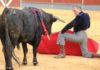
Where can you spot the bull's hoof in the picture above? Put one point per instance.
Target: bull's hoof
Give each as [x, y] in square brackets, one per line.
[35, 63]
[24, 63]
[9, 68]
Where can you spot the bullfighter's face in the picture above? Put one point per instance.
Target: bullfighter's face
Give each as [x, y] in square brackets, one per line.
[76, 10]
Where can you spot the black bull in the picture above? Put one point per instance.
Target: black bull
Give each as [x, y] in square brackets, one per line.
[22, 26]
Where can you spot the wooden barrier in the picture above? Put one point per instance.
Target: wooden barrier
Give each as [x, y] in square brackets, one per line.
[86, 2]
[16, 3]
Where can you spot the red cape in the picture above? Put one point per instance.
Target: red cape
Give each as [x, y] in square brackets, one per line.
[71, 48]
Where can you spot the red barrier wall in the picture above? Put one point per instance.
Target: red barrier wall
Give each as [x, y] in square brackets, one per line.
[14, 3]
[86, 2]
[92, 2]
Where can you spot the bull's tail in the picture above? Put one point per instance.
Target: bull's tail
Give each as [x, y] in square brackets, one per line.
[8, 45]
[16, 58]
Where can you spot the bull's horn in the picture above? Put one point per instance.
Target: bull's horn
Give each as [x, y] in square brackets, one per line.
[60, 19]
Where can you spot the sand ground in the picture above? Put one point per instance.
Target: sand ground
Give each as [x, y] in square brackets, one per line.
[48, 62]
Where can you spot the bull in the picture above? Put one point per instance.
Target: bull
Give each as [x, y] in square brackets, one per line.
[22, 26]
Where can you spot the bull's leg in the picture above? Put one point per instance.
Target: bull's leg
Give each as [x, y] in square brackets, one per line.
[8, 60]
[25, 50]
[35, 62]
[7, 55]
[35, 46]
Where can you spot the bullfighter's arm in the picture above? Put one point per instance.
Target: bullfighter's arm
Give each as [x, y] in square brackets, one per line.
[68, 26]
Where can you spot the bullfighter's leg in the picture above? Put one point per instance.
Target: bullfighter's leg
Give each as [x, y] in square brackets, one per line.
[62, 52]
[79, 37]
[25, 50]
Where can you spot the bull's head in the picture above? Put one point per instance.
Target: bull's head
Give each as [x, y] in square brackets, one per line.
[49, 19]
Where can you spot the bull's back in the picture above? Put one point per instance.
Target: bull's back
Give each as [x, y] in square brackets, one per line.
[30, 25]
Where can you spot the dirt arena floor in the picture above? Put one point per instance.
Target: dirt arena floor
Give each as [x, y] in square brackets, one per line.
[48, 62]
